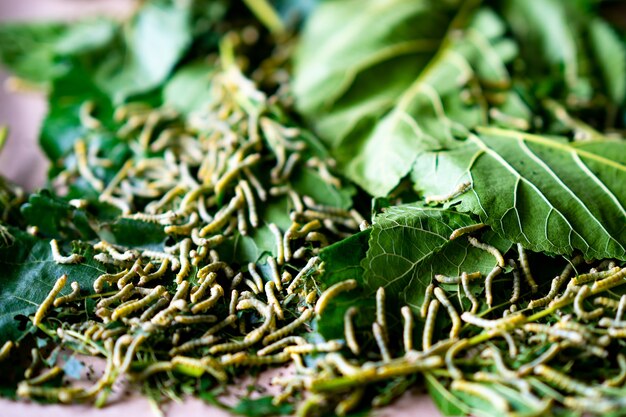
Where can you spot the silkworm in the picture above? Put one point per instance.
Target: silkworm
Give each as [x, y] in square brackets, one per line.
[45, 376]
[193, 344]
[454, 316]
[349, 330]
[456, 280]
[64, 395]
[5, 351]
[153, 369]
[523, 260]
[222, 217]
[231, 174]
[619, 379]
[221, 325]
[216, 293]
[594, 276]
[564, 382]
[234, 300]
[278, 237]
[258, 281]
[164, 317]
[243, 358]
[111, 333]
[516, 282]
[125, 310]
[153, 309]
[429, 324]
[183, 229]
[428, 294]
[407, 334]
[275, 273]
[579, 309]
[466, 230]
[316, 237]
[331, 292]
[282, 343]
[468, 292]
[571, 335]
[330, 346]
[144, 279]
[289, 328]
[454, 372]
[489, 283]
[507, 322]
[617, 333]
[498, 361]
[272, 300]
[482, 391]
[289, 234]
[114, 253]
[130, 275]
[336, 211]
[310, 265]
[381, 315]
[487, 248]
[48, 301]
[379, 336]
[350, 402]
[251, 284]
[63, 260]
[70, 297]
[154, 206]
[460, 189]
[595, 406]
[207, 282]
[606, 302]
[161, 257]
[165, 219]
[256, 184]
[122, 295]
[80, 149]
[609, 282]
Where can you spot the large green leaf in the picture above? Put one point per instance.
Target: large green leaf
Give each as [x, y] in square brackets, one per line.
[406, 88]
[28, 274]
[410, 244]
[610, 55]
[546, 193]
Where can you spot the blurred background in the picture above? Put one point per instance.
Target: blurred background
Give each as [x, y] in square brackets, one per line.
[22, 161]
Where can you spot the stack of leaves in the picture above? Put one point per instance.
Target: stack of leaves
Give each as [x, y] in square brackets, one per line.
[205, 234]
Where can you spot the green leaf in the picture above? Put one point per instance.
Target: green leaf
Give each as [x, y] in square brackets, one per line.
[309, 182]
[611, 58]
[261, 407]
[406, 88]
[447, 403]
[189, 88]
[410, 243]
[29, 273]
[545, 193]
[157, 38]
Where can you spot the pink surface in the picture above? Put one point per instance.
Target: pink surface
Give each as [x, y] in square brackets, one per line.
[22, 162]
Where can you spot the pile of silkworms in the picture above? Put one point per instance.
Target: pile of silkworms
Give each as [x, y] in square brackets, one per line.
[184, 312]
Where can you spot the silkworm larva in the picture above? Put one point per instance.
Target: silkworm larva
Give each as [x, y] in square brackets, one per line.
[222, 217]
[289, 328]
[234, 300]
[185, 264]
[275, 273]
[45, 376]
[454, 316]
[456, 280]
[407, 334]
[564, 382]
[609, 282]
[258, 281]
[619, 379]
[208, 242]
[487, 248]
[571, 335]
[516, 282]
[249, 197]
[507, 322]
[282, 343]
[579, 309]
[468, 292]
[381, 315]
[63, 260]
[428, 294]
[5, 351]
[183, 229]
[330, 346]
[460, 189]
[429, 324]
[256, 334]
[498, 361]
[310, 265]
[122, 295]
[47, 302]
[194, 344]
[230, 347]
[221, 325]
[204, 286]
[606, 302]
[594, 276]
[482, 391]
[153, 369]
[153, 309]
[70, 297]
[112, 333]
[332, 292]
[344, 367]
[523, 260]
[489, 283]
[349, 330]
[188, 366]
[165, 264]
[164, 317]
[617, 333]
[620, 308]
[587, 406]
[125, 310]
[216, 293]
[244, 358]
[465, 230]
[350, 402]
[286, 277]
[379, 336]
[258, 305]
[454, 372]
[272, 300]
[256, 184]
[230, 175]
[115, 253]
[64, 395]
[80, 149]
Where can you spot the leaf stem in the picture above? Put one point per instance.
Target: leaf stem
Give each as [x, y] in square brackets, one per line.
[266, 14]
